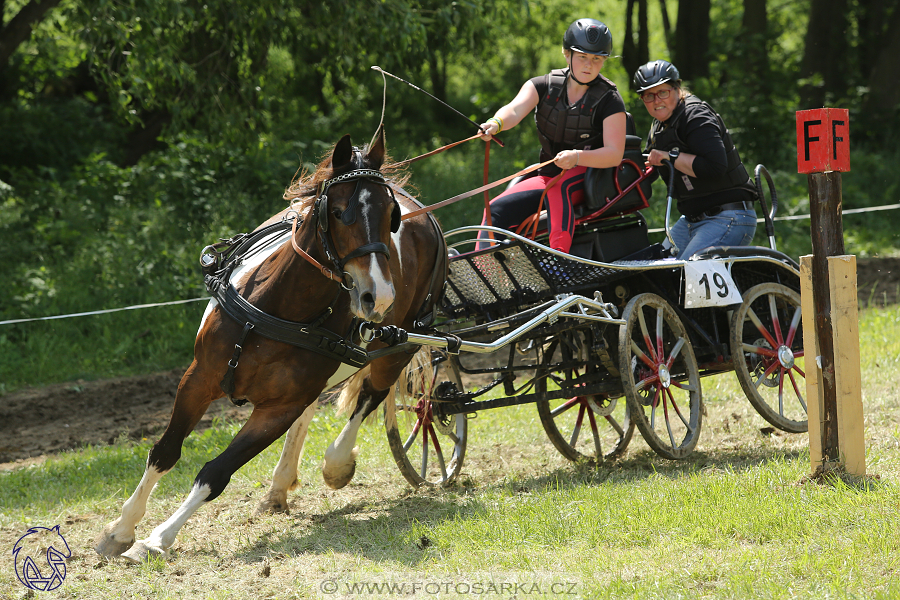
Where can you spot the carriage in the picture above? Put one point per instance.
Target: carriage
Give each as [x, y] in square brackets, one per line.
[608, 338]
[613, 336]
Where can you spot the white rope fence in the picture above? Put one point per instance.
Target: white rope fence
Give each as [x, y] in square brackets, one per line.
[104, 312]
[851, 211]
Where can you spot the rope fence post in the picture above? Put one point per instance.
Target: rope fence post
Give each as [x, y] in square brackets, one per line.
[829, 304]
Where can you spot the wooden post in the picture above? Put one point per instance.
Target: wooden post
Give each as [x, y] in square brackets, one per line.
[827, 232]
[831, 345]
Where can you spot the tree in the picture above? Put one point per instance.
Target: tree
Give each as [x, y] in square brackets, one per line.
[825, 42]
[635, 53]
[692, 38]
[882, 43]
[752, 42]
[667, 26]
[18, 30]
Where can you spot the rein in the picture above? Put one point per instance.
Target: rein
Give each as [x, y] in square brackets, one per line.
[471, 193]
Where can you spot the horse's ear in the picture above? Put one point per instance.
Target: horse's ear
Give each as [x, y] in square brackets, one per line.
[376, 152]
[343, 153]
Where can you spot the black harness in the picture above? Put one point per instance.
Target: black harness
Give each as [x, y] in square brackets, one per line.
[218, 261]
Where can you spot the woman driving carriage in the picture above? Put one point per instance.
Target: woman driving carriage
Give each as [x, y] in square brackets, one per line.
[714, 192]
[580, 119]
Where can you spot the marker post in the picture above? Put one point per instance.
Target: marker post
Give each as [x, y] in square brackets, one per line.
[829, 304]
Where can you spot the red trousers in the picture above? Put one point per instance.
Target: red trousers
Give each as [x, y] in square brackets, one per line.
[512, 207]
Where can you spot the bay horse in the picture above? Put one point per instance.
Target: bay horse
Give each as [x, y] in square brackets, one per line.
[391, 273]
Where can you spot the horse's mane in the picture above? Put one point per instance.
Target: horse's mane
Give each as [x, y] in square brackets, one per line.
[303, 188]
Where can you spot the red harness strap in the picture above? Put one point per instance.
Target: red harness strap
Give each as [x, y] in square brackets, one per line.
[325, 270]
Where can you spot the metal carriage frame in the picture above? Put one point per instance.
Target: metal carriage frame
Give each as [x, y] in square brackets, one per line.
[599, 348]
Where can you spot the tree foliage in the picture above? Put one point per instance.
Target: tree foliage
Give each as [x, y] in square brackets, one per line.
[134, 132]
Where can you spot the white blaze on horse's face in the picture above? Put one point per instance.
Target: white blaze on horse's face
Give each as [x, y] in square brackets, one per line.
[372, 296]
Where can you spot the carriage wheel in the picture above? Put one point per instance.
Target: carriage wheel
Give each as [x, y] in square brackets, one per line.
[660, 376]
[580, 427]
[429, 450]
[767, 346]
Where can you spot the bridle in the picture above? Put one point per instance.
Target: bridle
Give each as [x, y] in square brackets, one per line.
[347, 217]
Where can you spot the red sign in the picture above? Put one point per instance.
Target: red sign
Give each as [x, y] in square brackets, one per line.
[823, 140]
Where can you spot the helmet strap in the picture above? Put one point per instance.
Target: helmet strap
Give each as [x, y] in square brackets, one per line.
[572, 71]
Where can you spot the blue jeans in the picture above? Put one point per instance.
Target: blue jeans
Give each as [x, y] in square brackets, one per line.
[728, 228]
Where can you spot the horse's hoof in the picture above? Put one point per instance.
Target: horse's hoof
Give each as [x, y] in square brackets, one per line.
[273, 503]
[107, 545]
[336, 479]
[141, 552]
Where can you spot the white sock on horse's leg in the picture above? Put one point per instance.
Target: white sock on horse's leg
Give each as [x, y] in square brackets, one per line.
[284, 478]
[339, 465]
[118, 536]
[161, 539]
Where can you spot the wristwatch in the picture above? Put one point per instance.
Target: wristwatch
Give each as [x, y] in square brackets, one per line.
[674, 153]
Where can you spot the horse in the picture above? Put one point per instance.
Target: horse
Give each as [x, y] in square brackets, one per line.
[391, 273]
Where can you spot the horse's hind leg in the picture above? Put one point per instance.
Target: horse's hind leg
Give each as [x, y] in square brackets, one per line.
[267, 423]
[193, 398]
[284, 477]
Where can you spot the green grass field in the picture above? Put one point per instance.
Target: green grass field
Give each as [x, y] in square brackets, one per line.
[735, 520]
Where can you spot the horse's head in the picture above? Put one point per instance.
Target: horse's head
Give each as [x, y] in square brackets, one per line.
[357, 212]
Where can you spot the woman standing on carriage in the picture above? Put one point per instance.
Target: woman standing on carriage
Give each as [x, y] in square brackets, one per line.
[714, 192]
[580, 119]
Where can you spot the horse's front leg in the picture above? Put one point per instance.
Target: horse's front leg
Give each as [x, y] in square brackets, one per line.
[284, 478]
[191, 402]
[267, 423]
[339, 465]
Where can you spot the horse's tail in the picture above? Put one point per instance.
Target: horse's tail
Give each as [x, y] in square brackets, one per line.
[414, 381]
[346, 402]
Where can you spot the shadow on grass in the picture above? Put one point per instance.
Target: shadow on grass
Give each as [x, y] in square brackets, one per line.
[388, 530]
[381, 531]
[646, 464]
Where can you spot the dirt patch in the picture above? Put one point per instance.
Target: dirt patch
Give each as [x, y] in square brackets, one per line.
[878, 281]
[38, 421]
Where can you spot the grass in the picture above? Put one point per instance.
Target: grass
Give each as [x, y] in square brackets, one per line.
[736, 520]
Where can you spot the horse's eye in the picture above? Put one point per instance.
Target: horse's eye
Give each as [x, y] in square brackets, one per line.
[337, 212]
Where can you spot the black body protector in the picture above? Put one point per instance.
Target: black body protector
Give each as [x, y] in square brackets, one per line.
[664, 136]
[562, 127]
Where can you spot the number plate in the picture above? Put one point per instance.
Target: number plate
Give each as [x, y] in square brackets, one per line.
[708, 283]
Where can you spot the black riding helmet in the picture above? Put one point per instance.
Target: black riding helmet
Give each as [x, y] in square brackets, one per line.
[655, 73]
[589, 36]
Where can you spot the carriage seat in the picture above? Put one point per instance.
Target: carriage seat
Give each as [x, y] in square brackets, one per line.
[741, 251]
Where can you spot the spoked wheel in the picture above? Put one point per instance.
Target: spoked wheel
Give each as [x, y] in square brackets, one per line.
[592, 428]
[767, 346]
[660, 376]
[429, 450]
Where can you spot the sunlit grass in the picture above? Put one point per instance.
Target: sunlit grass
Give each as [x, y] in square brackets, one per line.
[735, 520]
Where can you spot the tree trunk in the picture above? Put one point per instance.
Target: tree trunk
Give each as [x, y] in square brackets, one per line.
[643, 33]
[438, 71]
[882, 99]
[19, 28]
[635, 52]
[754, 41]
[692, 39]
[146, 138]
[629, 49]
[825, 43]
[667, 27]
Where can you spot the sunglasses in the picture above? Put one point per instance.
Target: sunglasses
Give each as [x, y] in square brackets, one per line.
[649, 97]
